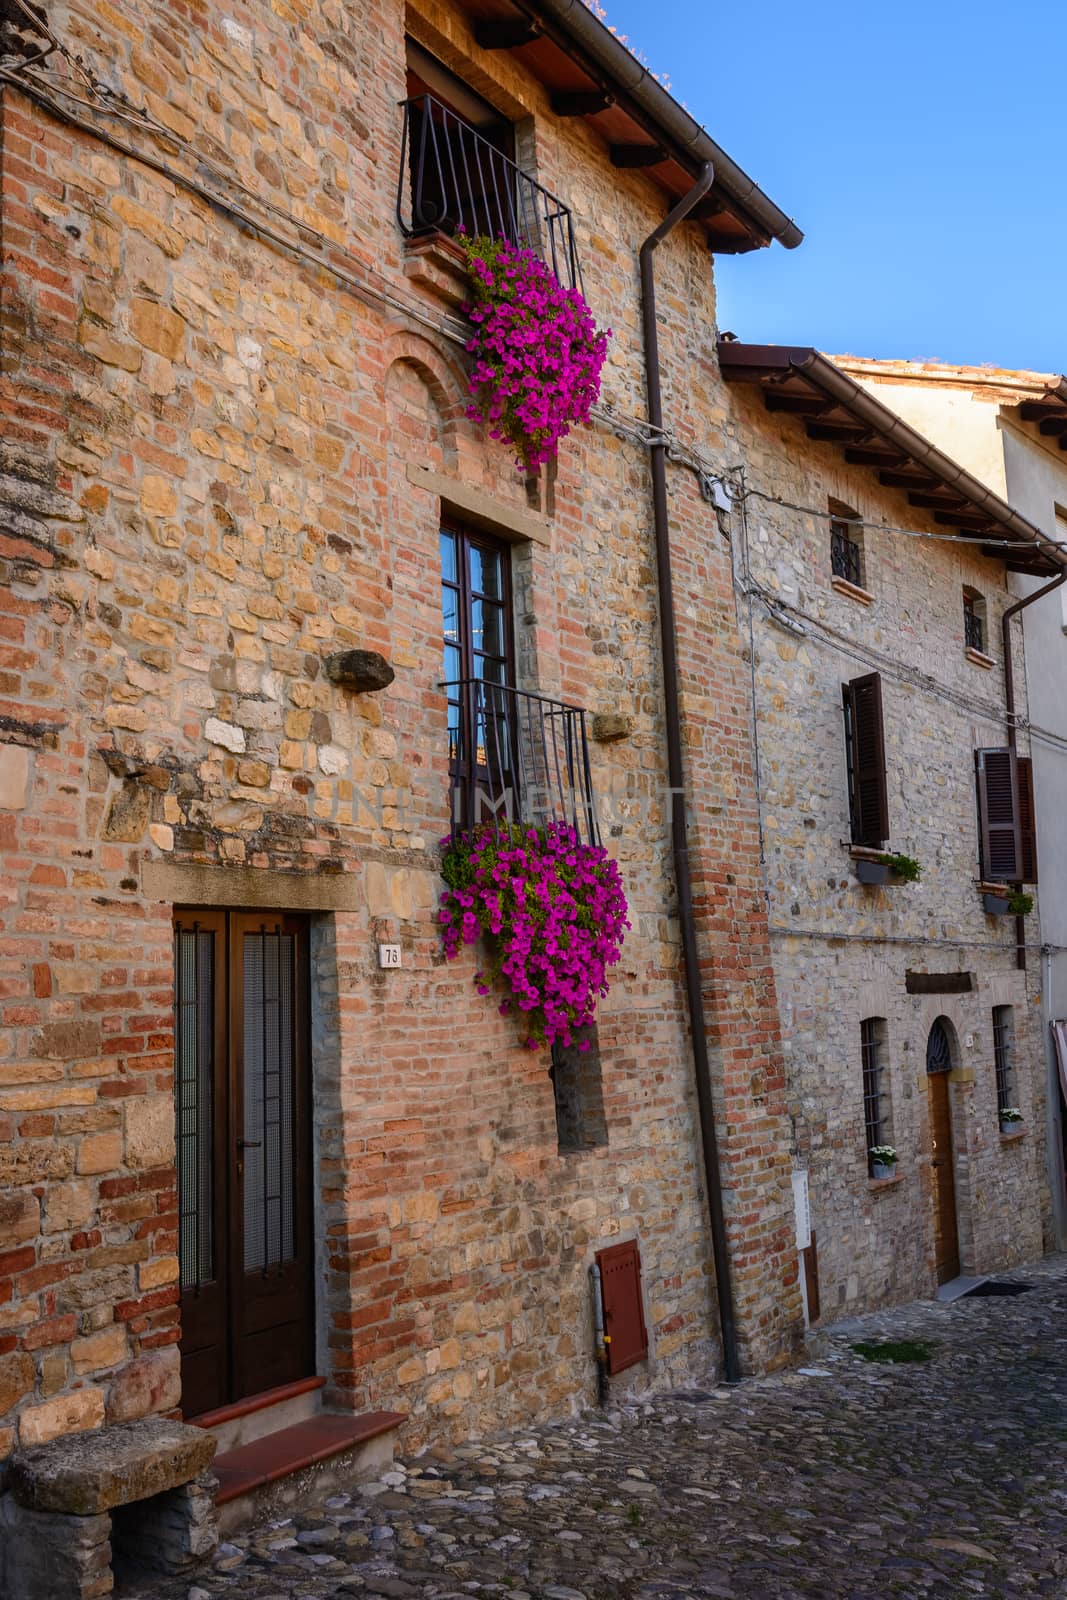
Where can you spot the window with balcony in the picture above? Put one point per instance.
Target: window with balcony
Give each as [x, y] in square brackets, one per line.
[846, 545]
[458, 172]
[513, 754]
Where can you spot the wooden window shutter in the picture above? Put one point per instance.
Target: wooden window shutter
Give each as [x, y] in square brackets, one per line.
[998, 815]
[1027, 819]
[869, 795]
[624, 1316]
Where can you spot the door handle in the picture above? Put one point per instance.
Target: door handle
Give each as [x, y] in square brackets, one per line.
[248, 1144]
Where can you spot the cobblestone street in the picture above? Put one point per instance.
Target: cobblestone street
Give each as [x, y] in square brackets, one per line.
[852, 1478]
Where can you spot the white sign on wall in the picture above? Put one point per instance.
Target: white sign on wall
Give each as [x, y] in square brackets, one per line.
[388, 955]
[803, 1209]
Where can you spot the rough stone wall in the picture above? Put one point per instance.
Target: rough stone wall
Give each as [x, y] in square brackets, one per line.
[841, 950]
[209, 439]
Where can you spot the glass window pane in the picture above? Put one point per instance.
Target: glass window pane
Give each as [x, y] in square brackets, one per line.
[450, 613]
[268, 1101]
[195, 1089]
[452, 666]
[487, 627]
[486, 569]
[448, 556]
[490, 669]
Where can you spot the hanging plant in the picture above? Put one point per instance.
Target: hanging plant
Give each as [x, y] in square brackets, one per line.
[536, 347]
[552, 912]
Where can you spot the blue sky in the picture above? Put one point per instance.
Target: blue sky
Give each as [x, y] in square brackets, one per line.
[919, 146]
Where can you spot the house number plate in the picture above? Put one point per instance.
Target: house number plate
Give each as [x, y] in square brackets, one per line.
[388, 955]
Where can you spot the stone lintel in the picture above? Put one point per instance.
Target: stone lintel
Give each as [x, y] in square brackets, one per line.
[251, 888]
[84, 1474]
[482, 509]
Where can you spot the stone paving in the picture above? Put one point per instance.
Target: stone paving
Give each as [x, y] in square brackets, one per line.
[846, 1480]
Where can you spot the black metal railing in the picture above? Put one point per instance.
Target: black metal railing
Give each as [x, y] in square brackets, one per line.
[451, 178]
[518, 757]
[973, 628]
[846, 556]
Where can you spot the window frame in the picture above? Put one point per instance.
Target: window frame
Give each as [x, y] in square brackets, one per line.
[461, 722]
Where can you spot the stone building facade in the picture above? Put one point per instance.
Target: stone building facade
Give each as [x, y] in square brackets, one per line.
[233, 430]
[907, 1018]
[1008, 428]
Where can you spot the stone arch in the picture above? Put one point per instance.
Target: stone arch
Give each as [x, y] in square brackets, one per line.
[943, 1028]
[424, 399]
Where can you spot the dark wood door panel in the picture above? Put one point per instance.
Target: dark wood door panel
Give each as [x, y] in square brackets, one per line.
[946, 1235]
[243, 1106]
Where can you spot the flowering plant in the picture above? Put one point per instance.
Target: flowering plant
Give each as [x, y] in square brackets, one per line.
[553, 912]
[537, 350]
[1011, 1114]
[884, 1155]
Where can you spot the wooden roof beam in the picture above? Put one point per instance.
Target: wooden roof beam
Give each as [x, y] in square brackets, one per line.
[801, 405]
[1037, 410]
[1053, 425]
[633, 156]
[581, 102]
[840, 432]
[506, 33]
[973, 523]
[945, 501]
[870, 456]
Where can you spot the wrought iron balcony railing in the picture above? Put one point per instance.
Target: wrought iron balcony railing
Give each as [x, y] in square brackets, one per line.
[452, 178]
[518, 757]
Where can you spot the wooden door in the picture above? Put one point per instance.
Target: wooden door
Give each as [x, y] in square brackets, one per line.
[946, 1235]
[243, 1125]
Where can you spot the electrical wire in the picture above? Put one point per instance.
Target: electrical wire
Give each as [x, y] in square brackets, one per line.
[901, 938]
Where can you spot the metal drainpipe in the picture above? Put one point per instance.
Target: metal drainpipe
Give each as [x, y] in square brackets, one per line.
[1009, 708]
[675, 774]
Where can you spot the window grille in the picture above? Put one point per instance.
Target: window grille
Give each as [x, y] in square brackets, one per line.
[875, 1091]
[973, 621]
[846, 554]
[1004, 1055]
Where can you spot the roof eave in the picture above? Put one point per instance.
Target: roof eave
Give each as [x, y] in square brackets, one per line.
[742, 363]
[574, 19]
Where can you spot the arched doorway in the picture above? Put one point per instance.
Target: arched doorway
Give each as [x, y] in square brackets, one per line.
[946, 1232]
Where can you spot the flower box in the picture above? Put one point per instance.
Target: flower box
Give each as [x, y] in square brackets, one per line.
[872, 872]
[995, 905]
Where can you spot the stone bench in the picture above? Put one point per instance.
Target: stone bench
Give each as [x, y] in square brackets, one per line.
[134, 1497]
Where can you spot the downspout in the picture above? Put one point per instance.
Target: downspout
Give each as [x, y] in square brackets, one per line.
[676, 776]
[1009, 711]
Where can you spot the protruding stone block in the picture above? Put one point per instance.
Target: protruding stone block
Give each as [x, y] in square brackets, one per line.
[365, 671]
[611, 725]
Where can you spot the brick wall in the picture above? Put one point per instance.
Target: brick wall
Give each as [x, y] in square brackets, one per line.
[208, 437]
